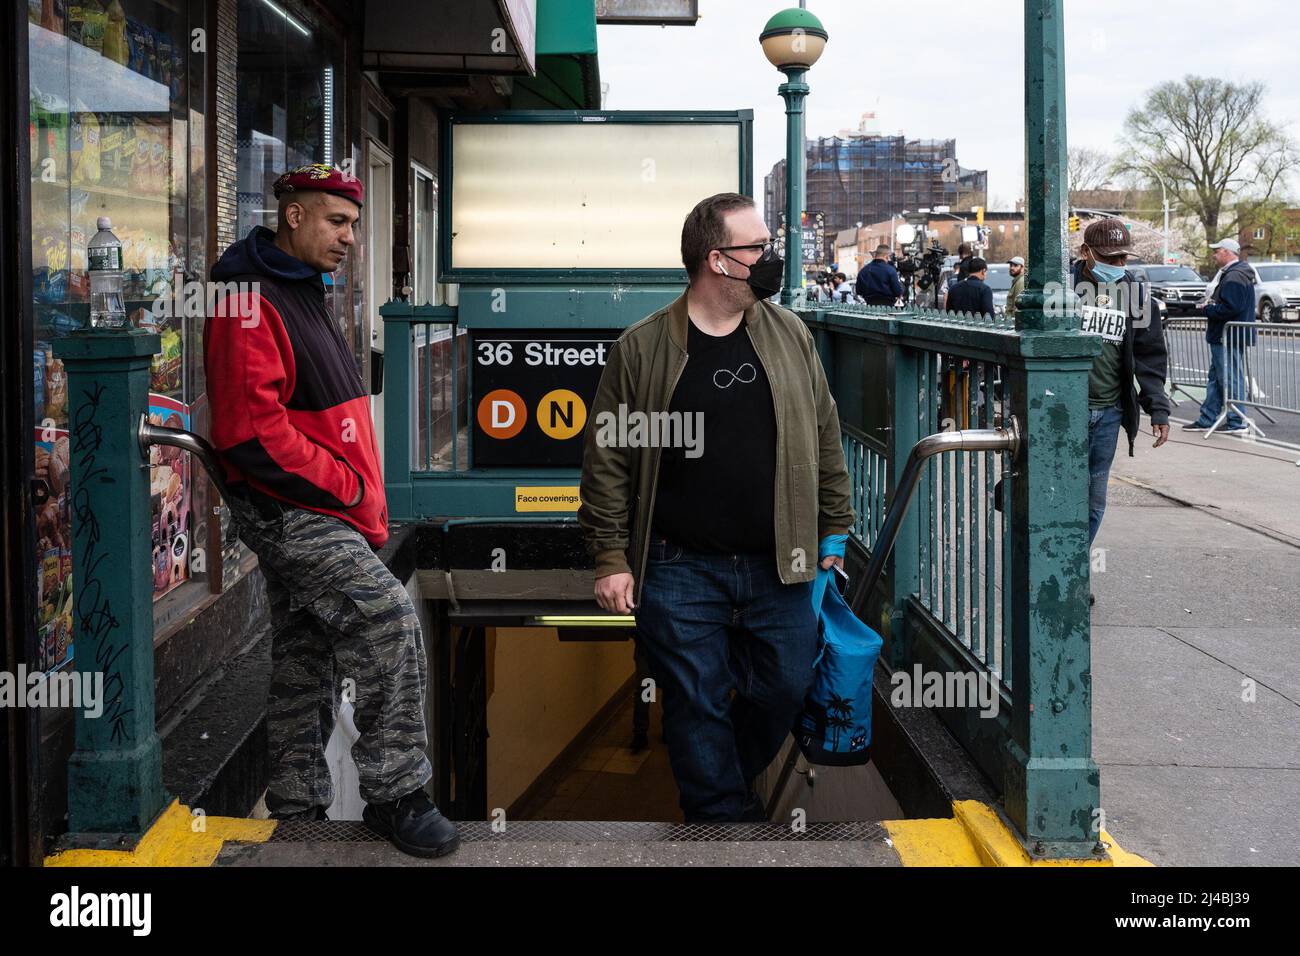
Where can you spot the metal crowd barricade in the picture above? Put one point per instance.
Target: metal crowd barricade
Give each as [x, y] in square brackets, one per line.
[1261, 365]
[1269, 354]
[1189, 355]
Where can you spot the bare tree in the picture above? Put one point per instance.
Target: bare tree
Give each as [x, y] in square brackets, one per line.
[1088, 169]
[1220, 157]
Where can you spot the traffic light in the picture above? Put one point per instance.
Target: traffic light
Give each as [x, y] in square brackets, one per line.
[1074, 223]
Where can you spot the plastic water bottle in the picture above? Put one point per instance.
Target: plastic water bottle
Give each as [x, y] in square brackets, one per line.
[104, 255]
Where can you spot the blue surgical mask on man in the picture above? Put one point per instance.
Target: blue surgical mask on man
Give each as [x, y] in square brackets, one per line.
[1104, 272]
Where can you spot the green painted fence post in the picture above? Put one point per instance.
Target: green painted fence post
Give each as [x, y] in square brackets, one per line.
[904, 399]
[1052, 785]
[115, 771]
[399, 401]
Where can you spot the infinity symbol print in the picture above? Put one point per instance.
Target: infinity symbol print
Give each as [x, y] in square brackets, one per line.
[737, 376]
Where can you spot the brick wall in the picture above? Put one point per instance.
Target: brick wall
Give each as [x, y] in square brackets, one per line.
[227, 47]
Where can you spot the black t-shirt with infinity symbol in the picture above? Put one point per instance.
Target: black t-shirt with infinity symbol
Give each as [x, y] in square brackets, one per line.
[717, 494]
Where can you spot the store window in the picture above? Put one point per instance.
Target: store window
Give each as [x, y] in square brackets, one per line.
[116, 130]
[290, 113]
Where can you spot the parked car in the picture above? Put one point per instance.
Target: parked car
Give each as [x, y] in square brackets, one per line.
[1180, 288]
[999, 280]
[1277, 291]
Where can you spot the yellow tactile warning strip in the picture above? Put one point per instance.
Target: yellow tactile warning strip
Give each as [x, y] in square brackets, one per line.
[976, 836]
[177, 838]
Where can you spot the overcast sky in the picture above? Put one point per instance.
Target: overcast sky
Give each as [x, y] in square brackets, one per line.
[943, 69]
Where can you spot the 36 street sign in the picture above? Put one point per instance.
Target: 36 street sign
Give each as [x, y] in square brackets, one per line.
[532, 394]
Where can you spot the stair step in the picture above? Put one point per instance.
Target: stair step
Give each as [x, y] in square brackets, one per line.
[580, 843]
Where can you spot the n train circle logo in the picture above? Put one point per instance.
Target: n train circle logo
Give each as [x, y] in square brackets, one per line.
[502, 414]
[561, 414]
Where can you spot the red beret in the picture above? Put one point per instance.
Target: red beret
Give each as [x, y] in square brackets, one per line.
[321, 178]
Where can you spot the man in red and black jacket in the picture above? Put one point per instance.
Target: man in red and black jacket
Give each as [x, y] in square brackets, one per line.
[291, 423]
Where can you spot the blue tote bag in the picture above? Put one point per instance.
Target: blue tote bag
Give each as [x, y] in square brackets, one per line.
[834, 728]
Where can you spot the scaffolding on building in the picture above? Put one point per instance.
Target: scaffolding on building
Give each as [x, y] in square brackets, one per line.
[857, 178]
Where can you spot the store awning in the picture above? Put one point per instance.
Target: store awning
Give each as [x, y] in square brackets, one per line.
[568, 74]
[453, 36]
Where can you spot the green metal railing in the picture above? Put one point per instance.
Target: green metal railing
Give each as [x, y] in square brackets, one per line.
[989, 574]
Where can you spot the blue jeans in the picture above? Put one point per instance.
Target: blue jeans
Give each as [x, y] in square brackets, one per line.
[732, 649]
[1223, 359]
[1103, 430]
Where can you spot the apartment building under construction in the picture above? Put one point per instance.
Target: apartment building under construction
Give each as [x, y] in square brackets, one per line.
[862, 177]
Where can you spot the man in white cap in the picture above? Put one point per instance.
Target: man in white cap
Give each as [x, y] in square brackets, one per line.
[1016, 266]
[1233, 300]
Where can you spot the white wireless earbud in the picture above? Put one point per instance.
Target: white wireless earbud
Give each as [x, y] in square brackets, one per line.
[724, 270]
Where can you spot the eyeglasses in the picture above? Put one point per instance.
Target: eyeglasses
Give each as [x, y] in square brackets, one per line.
[763, 248]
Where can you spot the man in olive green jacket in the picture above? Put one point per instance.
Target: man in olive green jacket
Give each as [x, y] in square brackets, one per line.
[713, 484]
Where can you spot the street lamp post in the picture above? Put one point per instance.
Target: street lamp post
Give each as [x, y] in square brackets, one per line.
[1164, 199]
[793, 41]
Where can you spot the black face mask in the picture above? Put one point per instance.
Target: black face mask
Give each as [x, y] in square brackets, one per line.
[765, 274]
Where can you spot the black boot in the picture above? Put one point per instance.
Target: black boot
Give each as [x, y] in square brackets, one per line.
[413, 824]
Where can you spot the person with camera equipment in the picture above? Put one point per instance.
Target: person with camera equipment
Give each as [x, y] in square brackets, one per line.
[879, 283]
[964, 255]
[843, 289]
[971, 294]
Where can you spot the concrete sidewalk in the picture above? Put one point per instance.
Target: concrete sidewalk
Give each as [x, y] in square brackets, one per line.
[1196, 652]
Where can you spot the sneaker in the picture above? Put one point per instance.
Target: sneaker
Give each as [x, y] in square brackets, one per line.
[413, 824]
[1196, 427]
[1234, 429]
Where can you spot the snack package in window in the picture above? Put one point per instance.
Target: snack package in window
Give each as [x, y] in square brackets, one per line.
[51, 118]
[85, 146]
[78, 267]
[125, 153]
[137, 45]
[140, 166]
[51, 280]
[56, 389]
[115, 46]
[163, 49]
[165, 373]
[151, 51]
[159, 153]
[111, 135]
[86, 25]
[38, 365]
[76, 143]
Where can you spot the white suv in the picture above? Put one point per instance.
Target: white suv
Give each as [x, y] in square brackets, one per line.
[1277, 291]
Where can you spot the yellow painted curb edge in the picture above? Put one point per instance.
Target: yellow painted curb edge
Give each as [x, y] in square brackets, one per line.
[177, 838]
[977, 836]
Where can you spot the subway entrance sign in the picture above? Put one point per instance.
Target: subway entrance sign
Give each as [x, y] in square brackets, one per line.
[532, 392]
[558, 229]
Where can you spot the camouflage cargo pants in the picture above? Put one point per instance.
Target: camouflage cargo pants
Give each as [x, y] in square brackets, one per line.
[341, 624]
